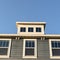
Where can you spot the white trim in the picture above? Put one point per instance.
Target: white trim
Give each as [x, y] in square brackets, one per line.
[50, 48]
[35, 35]
[35, 51]
[8, 53]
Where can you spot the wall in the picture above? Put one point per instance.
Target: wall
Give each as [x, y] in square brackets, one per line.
[17, 50]
[34, 26]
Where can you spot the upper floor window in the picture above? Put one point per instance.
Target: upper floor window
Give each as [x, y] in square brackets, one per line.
[30, 48]
[38, 29]
[22, 29]
[54, 48]
[30, 29]
[5, 48]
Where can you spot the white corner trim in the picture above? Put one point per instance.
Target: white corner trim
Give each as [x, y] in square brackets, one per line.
[35, 52]
[8, 53]
[50, 49]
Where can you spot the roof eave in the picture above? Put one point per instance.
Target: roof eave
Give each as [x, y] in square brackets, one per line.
[35, 36]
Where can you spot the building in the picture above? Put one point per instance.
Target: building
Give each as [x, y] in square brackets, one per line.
[30, 43]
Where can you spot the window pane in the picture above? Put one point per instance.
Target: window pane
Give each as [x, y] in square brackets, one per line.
[7, 43]
[58, 43]
[52, 43]
[38, 29]
[29, 43]
[33, 45]
[30, 29]
[55, 43]
[29, 51]
[4, 43]
[3, 51]
[56, 52]
[0, 43]
[22, 29]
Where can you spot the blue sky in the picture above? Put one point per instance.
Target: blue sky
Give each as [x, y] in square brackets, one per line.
[29, 10]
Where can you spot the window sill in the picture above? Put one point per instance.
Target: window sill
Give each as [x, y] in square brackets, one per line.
[29, 57]
[5, 56]
[55, 57]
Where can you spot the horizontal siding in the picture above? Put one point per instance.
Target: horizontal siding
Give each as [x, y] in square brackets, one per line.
[43, 49]
[17, 47]
[17, 50]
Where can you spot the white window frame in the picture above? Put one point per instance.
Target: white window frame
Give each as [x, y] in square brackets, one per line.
[50, 48]
[35, 48]
[8, 53]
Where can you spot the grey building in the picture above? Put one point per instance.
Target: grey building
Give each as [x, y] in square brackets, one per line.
[30, 43]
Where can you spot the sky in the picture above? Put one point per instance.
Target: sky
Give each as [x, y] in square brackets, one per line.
[12, 11]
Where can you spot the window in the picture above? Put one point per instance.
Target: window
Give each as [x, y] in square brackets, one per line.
[54, 48]
[30, 29]
[22, 29]
[30, 48]
[38, 29]
[5, 48]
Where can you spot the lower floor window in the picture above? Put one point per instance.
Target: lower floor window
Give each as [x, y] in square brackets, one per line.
[5, 48]
[30, 48]
[54, 48]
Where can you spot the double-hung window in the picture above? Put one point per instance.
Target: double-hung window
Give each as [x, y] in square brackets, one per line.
[5, 48]
[30, 48]
[54, 48]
